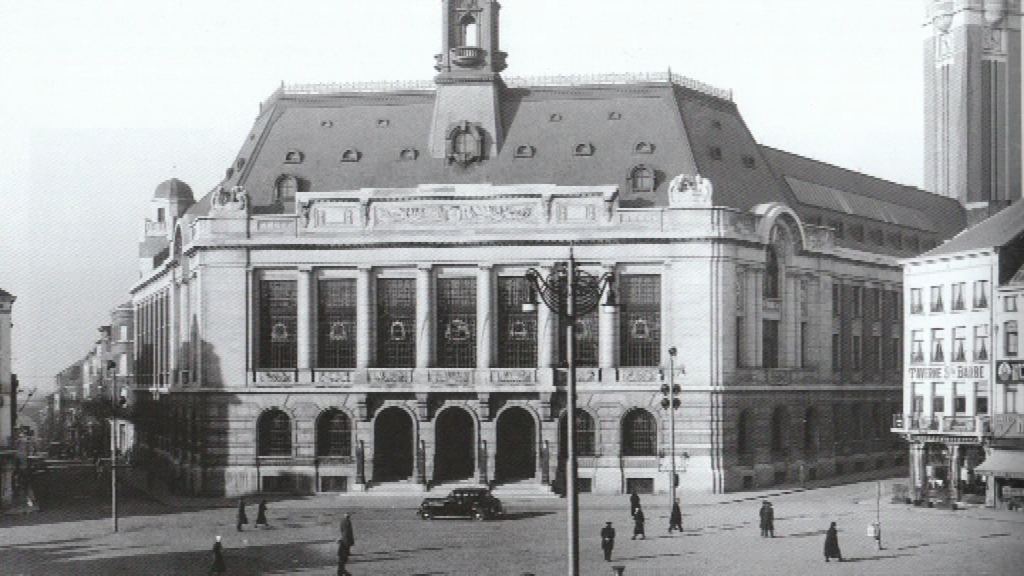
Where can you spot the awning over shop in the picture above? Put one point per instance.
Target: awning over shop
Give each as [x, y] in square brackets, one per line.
[1003, 464]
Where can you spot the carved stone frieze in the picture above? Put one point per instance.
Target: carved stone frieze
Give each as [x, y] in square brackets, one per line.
[334, 376]
[640, 374]
[275, 376]
[512, 375]
[388, 214]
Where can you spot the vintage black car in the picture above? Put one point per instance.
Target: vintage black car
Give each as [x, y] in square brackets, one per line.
[476, 503]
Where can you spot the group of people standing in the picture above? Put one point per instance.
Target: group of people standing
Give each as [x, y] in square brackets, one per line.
[346, 538]
[675, 522]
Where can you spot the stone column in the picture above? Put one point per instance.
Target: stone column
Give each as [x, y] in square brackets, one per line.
[484, 316]
[173, 323]
[547, 322]
[950, 408]
[424, 317]
[972, 398]
[184, 342]
[607, 327]
[304, 323]
[364, 348]
[756, 316]
[954, 472]
[917, 469]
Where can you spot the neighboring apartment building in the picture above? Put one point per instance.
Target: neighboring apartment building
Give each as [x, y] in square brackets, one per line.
[1006, 458]
[8, 403]
[345, 309]
[960, 337]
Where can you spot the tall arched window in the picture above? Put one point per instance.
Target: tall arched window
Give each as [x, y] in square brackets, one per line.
[639, 434]
[275, 434]
[642, 178]
[743, 433]
[810, 431]
[780, 425]
[771, 273]
[333, 434]
[586, 433]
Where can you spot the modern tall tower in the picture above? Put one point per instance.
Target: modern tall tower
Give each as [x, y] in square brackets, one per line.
[467, 120]
[973, 102]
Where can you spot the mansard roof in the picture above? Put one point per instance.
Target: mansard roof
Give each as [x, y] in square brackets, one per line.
[670, 125]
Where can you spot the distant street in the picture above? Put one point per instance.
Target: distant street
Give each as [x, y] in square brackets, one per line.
[73, 537]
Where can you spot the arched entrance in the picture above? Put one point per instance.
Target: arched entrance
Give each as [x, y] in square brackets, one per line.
[516, 454]
[392, 445]
[454, 457]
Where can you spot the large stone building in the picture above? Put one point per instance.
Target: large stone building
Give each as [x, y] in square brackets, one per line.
[962, 410]
[345, 309]
[8, 403]
[972, 70]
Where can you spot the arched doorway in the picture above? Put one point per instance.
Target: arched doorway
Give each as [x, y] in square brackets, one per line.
[454, 457]
[516, 455]
[392, 445]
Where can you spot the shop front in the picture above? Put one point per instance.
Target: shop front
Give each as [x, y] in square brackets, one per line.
[1004, 470]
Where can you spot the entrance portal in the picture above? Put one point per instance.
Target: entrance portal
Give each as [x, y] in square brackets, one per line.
[454, 456]
[516, 454]
[392, 445]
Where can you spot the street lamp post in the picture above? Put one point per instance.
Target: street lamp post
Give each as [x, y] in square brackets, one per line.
[113, 443]
[569, 293]
[670, 403]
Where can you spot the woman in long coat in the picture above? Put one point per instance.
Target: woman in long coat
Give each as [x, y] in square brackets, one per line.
[261, 514]
[832, 544]
[638, 524]
[675, 518]
[767, 520]
[242, 518]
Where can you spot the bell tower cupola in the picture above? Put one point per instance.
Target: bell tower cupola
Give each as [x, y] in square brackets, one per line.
[470, 40]
[466, 126]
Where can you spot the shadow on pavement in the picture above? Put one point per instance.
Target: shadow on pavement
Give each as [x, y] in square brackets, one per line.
[525, 515]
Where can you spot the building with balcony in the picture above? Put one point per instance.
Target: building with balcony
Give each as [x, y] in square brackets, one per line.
[8, 403]
[344, 310]
[961, 376]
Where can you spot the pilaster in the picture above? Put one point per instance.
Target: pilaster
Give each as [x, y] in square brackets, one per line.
[364, 319]
[304, 322]
[424, 325]
[484, 317]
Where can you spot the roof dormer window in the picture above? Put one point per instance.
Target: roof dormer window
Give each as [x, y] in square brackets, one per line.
[465, 143]
[286, 188]
[350, 155]
[525, 151]
[643, 148]
[584, 149]
[642, 179]
[293, 157]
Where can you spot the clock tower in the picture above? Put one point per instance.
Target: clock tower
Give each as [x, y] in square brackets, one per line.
[466, 125]
[973, 102]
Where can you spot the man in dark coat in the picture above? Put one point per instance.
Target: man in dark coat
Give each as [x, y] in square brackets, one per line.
[346, 540]
[634, 502]
[767, 520]
[261, 514]
[242, 518]
[607, 541]
[638, 524]
[675, 518]
[832, 544]
[218, 558]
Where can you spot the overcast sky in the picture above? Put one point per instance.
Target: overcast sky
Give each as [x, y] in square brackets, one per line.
[101, 100]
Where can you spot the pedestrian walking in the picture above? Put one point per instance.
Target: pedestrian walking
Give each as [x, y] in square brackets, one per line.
[607, 541]
[346, 540]
[261, 514]
[675, 518]
[638, 524]
[832, 544]
[634, 502]
[242, 518]
[219, 567]
[767, 520]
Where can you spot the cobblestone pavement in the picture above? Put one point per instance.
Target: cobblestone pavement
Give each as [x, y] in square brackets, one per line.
[721, 537]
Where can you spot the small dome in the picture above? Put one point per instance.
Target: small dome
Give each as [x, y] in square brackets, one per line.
[173, 190]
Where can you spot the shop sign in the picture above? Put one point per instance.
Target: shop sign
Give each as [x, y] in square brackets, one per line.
[958, 372]
[1010, 371]
[958, 424]
[1007, 425]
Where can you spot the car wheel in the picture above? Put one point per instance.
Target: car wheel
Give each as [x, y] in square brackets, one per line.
[479, 515]
[427, 516]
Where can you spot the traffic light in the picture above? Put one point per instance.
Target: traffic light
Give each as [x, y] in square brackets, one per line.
[670, 396]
